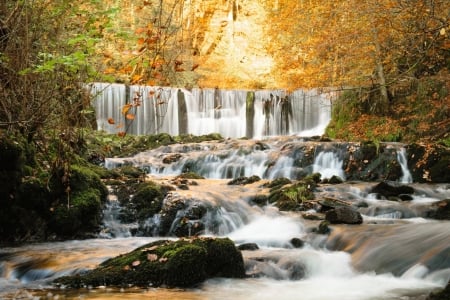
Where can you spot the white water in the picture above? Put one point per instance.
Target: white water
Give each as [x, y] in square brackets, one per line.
[328, 274]
[328, 164]
[401, 157]
[417, 252]
[210, 111]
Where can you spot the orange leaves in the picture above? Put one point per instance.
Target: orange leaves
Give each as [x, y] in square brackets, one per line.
[111, 121]
[126, 108]
[140, 41]
[195, 66]
[136, 78]
[130, 116]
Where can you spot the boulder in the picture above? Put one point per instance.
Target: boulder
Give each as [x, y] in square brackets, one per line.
[441, 295]
[390, 190]
[248, 247]
[181, 263]
[441, 210]
[343, 215]
[297, 243]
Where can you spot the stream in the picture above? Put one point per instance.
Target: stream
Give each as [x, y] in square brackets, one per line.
[398, 253]
[395, 254]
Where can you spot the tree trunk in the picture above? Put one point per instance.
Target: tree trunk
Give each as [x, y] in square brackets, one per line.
[382, 103]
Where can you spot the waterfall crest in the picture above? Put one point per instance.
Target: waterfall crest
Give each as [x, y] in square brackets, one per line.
[232, 113]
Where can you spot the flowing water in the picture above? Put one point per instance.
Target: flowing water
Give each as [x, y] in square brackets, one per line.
[202, 111]
[397, 253]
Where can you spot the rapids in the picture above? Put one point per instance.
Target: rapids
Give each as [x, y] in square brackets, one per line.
[397, 253]
[387, 257]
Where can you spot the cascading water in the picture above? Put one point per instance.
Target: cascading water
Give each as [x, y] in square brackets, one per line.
[328, 164]
[402, 160]
[232, 113]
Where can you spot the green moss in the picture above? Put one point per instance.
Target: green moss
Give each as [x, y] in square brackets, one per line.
[190, 175]
[180, 263]
[148, 200]
[295, 196]
[186, 266]
[82, 178]
[34, 196]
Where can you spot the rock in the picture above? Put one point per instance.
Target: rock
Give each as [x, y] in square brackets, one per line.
[335, 180]
[244, 180]
[278, 183]
[441, 295]
[312, 216]
[297, 243]
[389, 190]
[323, 227]
[171, 158]
[181, 263]
[343, 215]
[248, 247]
[260, 200]
[328, 203]
[429, 162]
[441, 210]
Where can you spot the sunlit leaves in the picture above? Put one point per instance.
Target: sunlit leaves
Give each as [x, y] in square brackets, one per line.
[126, 108]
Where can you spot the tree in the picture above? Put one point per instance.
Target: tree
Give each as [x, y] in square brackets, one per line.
[359, 43]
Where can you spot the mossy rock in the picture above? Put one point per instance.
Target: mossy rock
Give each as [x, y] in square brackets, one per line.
[33, 195]
[244, 180]
[278, 183]
[80, 216]
[147, 200]
[78, 210]
[181, 263]
[83, 178]
[296, 196]
[189, 175]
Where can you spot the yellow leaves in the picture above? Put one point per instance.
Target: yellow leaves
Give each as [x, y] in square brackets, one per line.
[126, 108]
[109, 71]
[136, 78]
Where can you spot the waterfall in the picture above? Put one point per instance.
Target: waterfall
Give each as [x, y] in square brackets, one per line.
[202, 111]
[402, 160]
[328, 164]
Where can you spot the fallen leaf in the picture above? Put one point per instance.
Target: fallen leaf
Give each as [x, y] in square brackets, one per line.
[152, 257]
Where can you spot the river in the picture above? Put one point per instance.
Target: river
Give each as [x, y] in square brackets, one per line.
[397, 253]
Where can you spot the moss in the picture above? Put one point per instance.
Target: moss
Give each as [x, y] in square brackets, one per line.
[278, 183]
[186, 266]
[79, 216]
[33, 195]
[82, 178]
[147, 201]
[295, 196]
[244, 180]
[223, 259]
[180, 263]
[190, 175]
